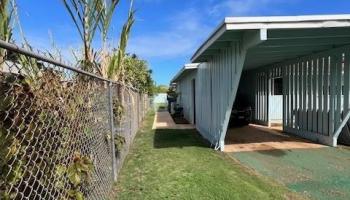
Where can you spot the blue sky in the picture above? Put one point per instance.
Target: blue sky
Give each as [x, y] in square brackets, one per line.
[166, 32]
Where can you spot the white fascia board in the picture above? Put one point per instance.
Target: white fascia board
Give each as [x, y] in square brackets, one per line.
[173, 80]
[186, 67]
[274, 19]
[191, 66]
[214, 36]
[291, 25]
[274, 22]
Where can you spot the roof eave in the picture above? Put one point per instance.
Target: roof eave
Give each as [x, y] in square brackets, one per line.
[276, 22]
[192, 66]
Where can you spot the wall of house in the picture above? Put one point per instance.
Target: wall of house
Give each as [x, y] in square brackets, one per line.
[316, 89]
[185, 98]
[204, 102]
[257, 84]
[217, 83]
[316, 92]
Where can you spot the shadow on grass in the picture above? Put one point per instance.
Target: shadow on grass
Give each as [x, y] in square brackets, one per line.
[174, 138]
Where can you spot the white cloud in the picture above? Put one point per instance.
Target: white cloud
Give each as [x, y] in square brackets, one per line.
[182, 36]
[188, 28]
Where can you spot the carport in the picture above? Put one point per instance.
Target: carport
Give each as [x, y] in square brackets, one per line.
[293, 69]
[301, 79]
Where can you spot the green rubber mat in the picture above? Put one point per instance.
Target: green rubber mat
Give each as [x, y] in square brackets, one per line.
[317, 173]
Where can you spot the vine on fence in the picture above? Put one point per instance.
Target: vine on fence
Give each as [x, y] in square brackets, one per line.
[118, 112]
[32, 115]
[54, 128]
[78, 174]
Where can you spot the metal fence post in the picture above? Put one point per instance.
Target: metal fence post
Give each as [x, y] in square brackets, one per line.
[138, 110]
[111, 126]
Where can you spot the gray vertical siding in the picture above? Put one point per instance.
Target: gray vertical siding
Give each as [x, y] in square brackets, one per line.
[204, 101]
[322, 93]
[316, 93]
[259, 93]
[315, 98]
[216, 88]
[185, 98]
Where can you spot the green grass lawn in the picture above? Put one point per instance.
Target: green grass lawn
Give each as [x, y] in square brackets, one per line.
[177, 164]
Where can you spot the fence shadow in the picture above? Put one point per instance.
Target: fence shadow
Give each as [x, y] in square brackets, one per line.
[174, 138]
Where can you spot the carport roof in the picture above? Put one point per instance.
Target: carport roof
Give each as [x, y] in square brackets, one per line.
[282, 37]
[184, 70]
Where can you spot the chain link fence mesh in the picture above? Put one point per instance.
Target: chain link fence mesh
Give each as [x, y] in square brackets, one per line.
[55, 130]
[127, 119]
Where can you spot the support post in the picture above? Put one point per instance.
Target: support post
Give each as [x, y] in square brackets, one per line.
[112, 130]
[340, 128]
[251, 39]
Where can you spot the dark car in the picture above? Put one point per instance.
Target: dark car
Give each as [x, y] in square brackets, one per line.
[241, 114]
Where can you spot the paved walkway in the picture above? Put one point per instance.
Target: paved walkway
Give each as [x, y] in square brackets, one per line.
[163, 120]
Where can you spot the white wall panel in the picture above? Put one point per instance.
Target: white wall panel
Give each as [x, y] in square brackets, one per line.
[316, 94]
[185, 98]
[215, 88]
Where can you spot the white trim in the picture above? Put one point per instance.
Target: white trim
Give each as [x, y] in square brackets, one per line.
[299, 18]
[191, 66]
[186, 67]
[214, 36]
[273, 22]
[289, 25]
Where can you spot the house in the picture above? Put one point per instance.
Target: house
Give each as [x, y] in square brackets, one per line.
[294, 71]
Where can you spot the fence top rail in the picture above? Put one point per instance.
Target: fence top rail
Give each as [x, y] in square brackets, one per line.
[15, 48]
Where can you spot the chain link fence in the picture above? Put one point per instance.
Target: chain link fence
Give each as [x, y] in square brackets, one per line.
[64, 133]
[127, 119]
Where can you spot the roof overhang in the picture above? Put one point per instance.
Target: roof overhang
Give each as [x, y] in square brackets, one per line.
[281, 37]
[186, 69]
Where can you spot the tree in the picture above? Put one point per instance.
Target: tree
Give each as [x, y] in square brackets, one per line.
[116, 70]
[138, 75]
[87, 16]
[160, 89]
